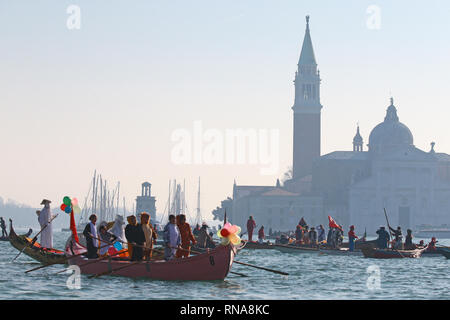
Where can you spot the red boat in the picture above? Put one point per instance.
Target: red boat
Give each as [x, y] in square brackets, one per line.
[211, 265]
[369, 252]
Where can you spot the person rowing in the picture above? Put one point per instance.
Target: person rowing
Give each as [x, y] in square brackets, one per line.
[90, 234]
[136, 239]
[383, 238]
[398, 237]
[172, 238]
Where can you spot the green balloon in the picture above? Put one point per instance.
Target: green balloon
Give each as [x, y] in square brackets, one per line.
[67, 201]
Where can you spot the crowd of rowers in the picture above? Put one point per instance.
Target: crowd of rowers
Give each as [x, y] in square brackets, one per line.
[304, 235]
[141, 236]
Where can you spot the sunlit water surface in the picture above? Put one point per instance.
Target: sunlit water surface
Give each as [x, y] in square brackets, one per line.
[311, 276]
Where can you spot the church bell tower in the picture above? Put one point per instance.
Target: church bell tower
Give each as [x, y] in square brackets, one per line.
[306, 109]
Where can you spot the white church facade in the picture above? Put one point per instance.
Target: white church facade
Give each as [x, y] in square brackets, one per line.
[352, 186]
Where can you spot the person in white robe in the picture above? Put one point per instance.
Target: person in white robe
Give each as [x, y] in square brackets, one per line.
[118, 228]
[44, 217]
[172, 238]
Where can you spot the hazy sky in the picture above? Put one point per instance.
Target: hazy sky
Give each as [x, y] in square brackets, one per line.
[110, 95]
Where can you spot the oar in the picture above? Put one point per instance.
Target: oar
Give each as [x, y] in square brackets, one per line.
[95, 260]
[251, 265]
[390, 235]
[262, 268]
[113, 270]
[65, 259]
[34, 239]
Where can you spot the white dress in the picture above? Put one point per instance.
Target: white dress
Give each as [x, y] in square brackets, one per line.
[47, 234]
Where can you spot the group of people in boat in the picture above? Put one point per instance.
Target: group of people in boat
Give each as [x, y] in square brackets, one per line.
[304, 235]
[397, 243]
[179, 237]
[140, 237]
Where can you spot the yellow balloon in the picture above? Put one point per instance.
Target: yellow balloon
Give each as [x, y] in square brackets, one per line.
[234, 239]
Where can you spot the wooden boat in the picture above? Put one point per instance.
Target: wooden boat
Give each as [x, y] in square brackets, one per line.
[369, 252]
[290, 248]
[439, 252]
[35, 251]
[212, 265]
[340, 252]
[361, 243]
[257, 245]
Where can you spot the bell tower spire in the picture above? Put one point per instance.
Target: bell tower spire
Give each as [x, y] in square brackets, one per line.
[306, 109]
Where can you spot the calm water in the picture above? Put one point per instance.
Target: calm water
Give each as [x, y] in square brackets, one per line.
[312, 276]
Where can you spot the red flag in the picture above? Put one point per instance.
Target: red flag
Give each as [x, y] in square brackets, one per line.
[332, 223]
[73, 227]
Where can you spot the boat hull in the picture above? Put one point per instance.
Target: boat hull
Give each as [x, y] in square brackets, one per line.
[212, 265]
[257, 245]
[341, 252]
[391, 254]
[35, 251]
[285, 248]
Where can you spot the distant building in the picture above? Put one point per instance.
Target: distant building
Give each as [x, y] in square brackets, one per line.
[355, 186]
[145, 202]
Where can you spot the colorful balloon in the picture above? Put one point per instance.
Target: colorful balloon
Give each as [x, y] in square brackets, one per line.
[229, 234]
[67, 201]
[118, 246]
[76, 209]
[74, 202]
[63, 207]
[68, 209]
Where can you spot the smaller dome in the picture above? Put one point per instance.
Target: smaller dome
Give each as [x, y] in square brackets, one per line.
[391, 132]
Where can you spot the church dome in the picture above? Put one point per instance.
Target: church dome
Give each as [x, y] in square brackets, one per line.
[390, 133]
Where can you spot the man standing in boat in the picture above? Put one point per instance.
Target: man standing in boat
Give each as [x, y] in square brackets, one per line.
[186, 237]
[398, 237]
[3, 226]
[351, 238]
[90, 234]
[136, 239]
[251, 225]
[383, 238]
[44, 218]
[172, 238]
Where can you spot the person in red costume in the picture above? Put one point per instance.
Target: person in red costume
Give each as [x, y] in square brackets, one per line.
[251, 225]
[432, 244]
[261, 235]
[351, 238]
